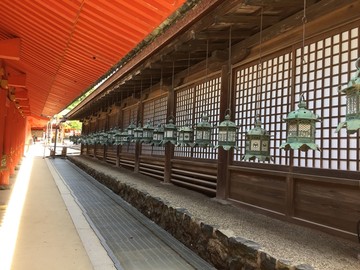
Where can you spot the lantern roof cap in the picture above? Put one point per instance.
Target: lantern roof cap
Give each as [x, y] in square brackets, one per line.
[132, 125]
[186, 128]
[302, 113]
[171, 124]
[354, 82]
[227, 122]
[159, 128]
[257, 130]
[148, 125]
[204, 122]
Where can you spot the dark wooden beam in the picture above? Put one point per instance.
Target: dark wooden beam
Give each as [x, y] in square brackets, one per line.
[286, 26]
[277, 3]
[245, 19]
[222, 35]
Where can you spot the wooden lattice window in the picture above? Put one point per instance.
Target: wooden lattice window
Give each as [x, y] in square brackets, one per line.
[264, 89]
[129, 116]
[155, 111]
[192, 101]
[326, 63]
[113, 120]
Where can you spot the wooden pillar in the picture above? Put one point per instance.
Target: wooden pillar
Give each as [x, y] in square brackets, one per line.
[3, 111]
[138, 144]
[7, 145]
[223, 156]
[169, 147]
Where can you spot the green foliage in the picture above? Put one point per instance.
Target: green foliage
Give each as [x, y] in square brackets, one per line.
[72, 124]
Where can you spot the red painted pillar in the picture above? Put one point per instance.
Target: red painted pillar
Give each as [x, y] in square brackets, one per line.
[2, 133]
[5, 160]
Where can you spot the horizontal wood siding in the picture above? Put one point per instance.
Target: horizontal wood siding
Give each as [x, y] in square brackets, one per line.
[334, 205]
[127, 161]
[199, 176]
[265, 191]
[152, 166]
[91, 150]
[99, 151]
[111, 154]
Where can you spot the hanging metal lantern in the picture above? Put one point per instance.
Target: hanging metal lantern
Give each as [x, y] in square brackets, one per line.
[95, 137]
[110, 136]
[185, 136]
[148, 130]
[158, 135]
[203, 132]
[227, 133]
[352, 92]
[125, 139]
[92, 140]
[257, 145]
[130, 130]
[301, 129]
[86, 139]
[138, 134]
[102, 138]
[170, 131]
[117, 137]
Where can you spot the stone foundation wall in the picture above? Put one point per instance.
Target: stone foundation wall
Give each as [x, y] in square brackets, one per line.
[211, 243]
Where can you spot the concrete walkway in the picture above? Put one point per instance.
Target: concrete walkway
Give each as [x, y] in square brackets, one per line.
[45, 236]
[58, 217]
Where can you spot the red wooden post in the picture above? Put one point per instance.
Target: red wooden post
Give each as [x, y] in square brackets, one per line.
[3, 110]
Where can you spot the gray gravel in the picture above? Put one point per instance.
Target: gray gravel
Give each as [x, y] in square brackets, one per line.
[286, 241]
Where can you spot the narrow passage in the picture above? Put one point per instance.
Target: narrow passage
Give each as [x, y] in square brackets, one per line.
[131, 239]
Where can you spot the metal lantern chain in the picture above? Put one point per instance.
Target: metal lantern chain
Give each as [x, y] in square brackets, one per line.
[170, 129]
[203, 128]
[301, 122]
[257, 141]
[228, 129]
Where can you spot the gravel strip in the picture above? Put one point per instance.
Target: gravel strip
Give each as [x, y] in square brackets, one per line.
[286, 241]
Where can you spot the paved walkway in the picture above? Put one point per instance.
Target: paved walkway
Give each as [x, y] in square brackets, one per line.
[67, 220]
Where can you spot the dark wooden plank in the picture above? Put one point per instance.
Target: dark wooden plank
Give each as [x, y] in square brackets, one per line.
[260, 191]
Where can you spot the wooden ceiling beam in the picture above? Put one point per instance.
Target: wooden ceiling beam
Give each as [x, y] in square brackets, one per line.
[222, 35]
[235, 19]
[276, 3]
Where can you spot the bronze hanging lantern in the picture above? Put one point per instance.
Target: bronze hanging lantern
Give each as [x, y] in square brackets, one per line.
[185, 136]
[110, 136]
[257, 145]
[92, 139]
[227, 133]
[130, 129]
[102, 137]
[301, 129]
[203, 132]
[147, 135]
[170, 131]
[96, 137]
[158, 135]
[117, 137]
[138, 133]
[124, 137]
[352, 92]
